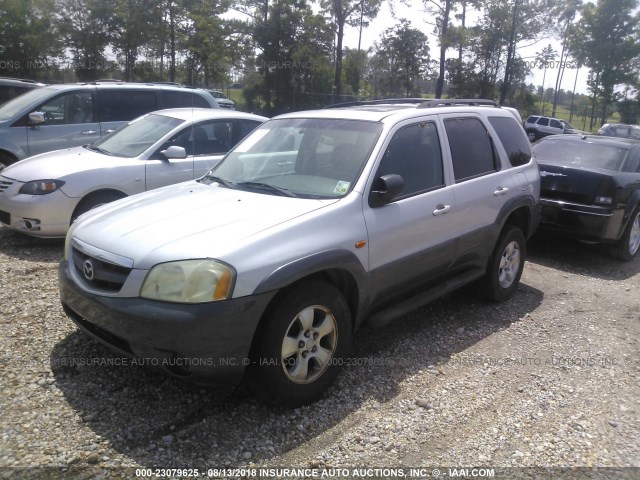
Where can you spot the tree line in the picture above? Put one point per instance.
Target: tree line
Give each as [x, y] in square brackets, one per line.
[290, 54]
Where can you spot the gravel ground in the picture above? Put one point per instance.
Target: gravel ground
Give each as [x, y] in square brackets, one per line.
[548, 379]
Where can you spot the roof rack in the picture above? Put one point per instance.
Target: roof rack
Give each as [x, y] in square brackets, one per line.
[448, 102]
[384, 101]
[19, 79]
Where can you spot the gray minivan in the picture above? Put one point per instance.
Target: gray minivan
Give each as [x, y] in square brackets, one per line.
[68, 115]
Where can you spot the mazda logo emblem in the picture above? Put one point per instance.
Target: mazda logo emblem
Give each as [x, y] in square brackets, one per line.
[87, 269]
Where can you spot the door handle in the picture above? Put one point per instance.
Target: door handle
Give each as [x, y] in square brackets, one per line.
[109, 131]
[501, 191]
[89, 132]
[441, 209]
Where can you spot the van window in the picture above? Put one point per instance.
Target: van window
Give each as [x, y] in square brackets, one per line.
[68, 108]
[177, 99]
[124, 105]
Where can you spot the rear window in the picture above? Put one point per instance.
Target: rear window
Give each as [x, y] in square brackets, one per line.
[178, 99]
[513, 140]
[584, 154]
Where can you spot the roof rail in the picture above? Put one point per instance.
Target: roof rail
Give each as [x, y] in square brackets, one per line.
[448, 102]
[384, 101]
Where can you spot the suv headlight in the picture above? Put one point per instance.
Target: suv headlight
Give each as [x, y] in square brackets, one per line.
[189, 281]
[40, 187]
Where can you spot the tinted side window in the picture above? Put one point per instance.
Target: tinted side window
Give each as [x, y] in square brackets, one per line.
[544, 122]
[514, 142]
[555, 124]
[177, 99]
[471, 148]
[414, 153]
[242, 128]
[124, 105]
[532, 119]
[68, 108]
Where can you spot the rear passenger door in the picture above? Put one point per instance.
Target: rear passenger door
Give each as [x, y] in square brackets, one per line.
[411, 239]
[482, 186]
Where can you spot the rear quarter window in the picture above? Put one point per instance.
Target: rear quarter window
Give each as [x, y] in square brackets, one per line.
[513, 140]
[176, 99]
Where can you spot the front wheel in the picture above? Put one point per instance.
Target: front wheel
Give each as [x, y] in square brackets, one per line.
[505, 265]
[300, 345]
[532, 135]
[629, 244]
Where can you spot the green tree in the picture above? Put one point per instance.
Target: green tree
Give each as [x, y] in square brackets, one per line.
[347, 12]
[607, 41]
[84, 28]
[401, 57]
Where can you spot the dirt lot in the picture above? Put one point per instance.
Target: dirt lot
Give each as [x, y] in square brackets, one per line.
[549, 379]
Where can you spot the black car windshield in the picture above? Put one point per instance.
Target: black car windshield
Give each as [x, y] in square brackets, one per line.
[300, 157]
[580, 153]
[134, 138]
[12, 107]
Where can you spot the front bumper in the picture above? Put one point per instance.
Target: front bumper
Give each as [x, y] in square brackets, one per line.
[36, 215]
[205, 343]
[583, 222]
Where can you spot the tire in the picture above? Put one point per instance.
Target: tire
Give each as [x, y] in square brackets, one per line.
[629, 244]
[6, 160]
[505, 265]
[297, 350]
[94, 200]
[532, 135]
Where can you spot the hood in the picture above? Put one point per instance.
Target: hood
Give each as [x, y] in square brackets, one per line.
[57, 164]
[187, 220]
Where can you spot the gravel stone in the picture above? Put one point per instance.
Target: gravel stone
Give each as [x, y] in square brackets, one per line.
[549, 378]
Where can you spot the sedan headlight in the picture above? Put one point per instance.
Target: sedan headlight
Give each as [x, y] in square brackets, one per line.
[40, 187]
[189, 281]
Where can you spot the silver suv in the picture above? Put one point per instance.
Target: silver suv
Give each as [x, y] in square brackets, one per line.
[70, 115]
[538, 127]
[317, 223]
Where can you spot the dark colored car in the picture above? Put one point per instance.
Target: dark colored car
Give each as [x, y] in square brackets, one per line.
[591, 189]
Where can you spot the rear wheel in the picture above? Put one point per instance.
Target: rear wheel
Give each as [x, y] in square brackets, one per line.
[629, 244]
[300, 344]
[94, 200]
[505, 266]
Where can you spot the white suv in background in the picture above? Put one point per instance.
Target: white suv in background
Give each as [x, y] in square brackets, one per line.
[538, 127]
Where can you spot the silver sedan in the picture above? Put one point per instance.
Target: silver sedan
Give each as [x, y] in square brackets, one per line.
[42, 195]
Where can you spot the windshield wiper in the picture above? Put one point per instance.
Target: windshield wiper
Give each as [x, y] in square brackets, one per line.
[266, 186]
[98, 149]
[214, 179]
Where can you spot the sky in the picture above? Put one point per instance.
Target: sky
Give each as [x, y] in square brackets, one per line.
[419, 19]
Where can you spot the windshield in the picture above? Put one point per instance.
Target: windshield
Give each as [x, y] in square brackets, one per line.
[308, 158]
[582, 154]
[134, 138]
[18, 104]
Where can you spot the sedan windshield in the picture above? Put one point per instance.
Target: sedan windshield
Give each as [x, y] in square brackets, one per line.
[580, 153]
[308, 158]
[134, 138]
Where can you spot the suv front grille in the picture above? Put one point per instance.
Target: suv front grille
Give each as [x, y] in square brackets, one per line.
[99, 274]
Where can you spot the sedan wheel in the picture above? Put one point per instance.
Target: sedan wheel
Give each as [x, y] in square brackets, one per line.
[629, 244]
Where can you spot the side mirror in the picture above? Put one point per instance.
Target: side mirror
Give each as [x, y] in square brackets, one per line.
[386, 188]
[36, 118]
[174, 152]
